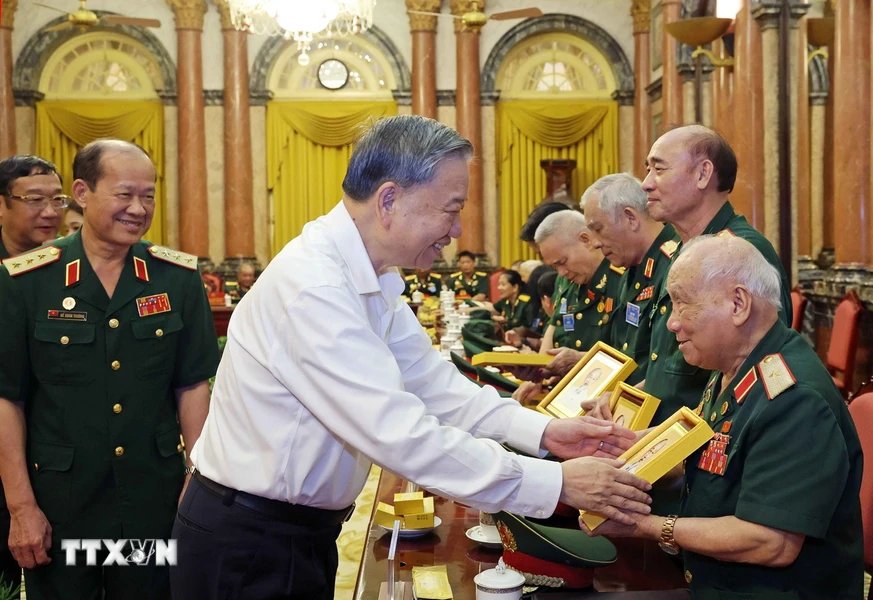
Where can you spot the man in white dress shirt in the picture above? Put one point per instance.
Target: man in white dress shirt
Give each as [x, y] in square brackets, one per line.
[326, 372]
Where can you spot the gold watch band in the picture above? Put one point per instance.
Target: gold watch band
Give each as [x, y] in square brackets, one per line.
[667, 542]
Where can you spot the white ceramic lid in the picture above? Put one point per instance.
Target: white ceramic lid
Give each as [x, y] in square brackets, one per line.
[499, 578]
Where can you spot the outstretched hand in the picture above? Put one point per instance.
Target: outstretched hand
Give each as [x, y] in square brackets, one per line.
[599, 485]
[586, 436]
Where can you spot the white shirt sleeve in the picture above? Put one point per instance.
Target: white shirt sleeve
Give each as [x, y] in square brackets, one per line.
[368, 375]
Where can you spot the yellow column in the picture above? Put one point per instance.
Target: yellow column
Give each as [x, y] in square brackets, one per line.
[193, 203]
[239, 233]
[671, 80]
[7, 101]
[469, 121]
[642, 68]
[423, 28]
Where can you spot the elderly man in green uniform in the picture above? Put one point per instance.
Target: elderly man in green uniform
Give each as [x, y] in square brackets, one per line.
[106, 345]
[31, 208]
[620, 224]
[468, 281]
[771, 507]
[582, 313]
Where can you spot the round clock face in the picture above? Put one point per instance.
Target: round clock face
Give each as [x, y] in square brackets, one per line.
[333, 74]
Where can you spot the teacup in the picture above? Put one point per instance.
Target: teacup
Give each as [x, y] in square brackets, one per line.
[487, 527]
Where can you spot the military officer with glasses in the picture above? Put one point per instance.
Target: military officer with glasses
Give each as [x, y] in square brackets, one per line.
[31, 208]
[106, 346]
[32, 203]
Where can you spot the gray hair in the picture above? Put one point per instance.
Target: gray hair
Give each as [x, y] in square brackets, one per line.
[735, 260]
[405, 149]
[566, 223]
[615, 192]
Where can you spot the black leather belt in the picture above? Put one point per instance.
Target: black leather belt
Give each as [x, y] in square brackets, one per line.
[298, 514]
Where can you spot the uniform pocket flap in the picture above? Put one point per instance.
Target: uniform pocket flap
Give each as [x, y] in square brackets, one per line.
[65, 332]
[169, 442]
[149, 328]
[51, 457]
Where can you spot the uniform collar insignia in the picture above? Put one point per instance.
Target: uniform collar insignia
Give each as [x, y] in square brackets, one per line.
[745, 384]
[73, 272]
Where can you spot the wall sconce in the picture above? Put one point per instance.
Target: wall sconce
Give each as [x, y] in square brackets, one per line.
[697, 31]
[820, 32]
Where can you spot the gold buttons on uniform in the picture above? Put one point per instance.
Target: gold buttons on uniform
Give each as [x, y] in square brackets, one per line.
[119, 451]
[637, 286]
[116, 408]
[113, 323]
[624, 346]
[115, 365]
[36, 466]
[159, 332]
[578, 315]
[65, 340]
[578, 343]
[587, 300]
[688, 576]
[663, 310]
[654, 356]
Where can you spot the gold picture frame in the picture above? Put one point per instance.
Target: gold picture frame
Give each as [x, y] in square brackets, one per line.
[660, 450]
[598, 371]
[631, 407]
[511, 358]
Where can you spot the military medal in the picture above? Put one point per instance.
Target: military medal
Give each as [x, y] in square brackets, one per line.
[609, 305]
[724, 407]
[152, 305]
[600, 306]
[646, 293]
[714, 458]
[69, 303]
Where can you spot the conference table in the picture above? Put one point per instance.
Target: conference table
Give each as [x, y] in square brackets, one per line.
[642, 570]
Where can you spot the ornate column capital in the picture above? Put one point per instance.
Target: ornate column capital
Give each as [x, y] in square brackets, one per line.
[423, 22]
[188, 13]
[8, 16]
[462, 7]
[224, 14]
[766, 12]
[641, 13]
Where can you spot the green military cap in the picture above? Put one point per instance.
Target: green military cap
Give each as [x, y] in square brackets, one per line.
[552, 556]
[494, 378]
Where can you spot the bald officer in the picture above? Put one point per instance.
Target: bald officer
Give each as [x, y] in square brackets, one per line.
[771, 506]
[106, 345]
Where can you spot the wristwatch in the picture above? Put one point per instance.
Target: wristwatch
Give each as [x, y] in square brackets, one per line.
[667, 543]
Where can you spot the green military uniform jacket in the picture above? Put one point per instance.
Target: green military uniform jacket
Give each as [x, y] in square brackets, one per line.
[519, 314]
[582, 313]
[97, 379]
[4, 253]
[791, 460]
[631, 327]
[430, 287]
[668, 376]
[478, 284]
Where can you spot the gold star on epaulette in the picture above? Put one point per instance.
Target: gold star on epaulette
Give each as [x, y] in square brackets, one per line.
[181, 259]
[32, 260]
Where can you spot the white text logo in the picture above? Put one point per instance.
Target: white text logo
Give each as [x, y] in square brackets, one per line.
[120, 552]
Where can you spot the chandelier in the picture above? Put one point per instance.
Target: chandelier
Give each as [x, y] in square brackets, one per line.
[302, 20]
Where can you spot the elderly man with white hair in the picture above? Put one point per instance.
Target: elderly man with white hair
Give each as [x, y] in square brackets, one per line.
[771, 505]
[621, 227]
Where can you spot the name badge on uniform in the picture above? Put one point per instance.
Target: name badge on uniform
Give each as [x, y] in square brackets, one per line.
[67, 315]
[152, 305]
[535, 324]
[563, 309]
[569, 322]
[632, 314]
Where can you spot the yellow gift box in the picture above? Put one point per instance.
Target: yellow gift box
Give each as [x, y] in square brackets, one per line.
[660, 450]
[632, 408]
[409, 503]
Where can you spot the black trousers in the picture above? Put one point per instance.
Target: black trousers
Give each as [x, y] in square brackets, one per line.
[9, 569]
[230, 551]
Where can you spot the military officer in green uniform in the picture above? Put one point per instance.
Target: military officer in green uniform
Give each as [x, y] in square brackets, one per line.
[514, 309]
[106, 345]
[615, 209]
[582, 312]
[771, 506]
[32, 208]
[468, 281]
[425, 282]
[692, 170]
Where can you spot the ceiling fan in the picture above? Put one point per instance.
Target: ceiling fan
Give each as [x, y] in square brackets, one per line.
[87, 18]
[476, 18]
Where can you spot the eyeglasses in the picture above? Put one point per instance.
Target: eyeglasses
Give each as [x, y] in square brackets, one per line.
[37, 202]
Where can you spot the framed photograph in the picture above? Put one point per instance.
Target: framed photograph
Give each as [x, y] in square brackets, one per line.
[632, 408]
[656, 38]
[660, 450]
[599, 370]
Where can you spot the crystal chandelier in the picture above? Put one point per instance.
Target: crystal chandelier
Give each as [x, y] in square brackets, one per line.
[302, 20]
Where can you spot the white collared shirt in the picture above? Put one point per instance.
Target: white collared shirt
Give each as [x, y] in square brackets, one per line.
[326, 370]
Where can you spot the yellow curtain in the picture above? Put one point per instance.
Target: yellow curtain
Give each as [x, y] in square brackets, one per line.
[530, 131]
[308, 148]
[64, 126]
